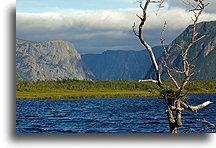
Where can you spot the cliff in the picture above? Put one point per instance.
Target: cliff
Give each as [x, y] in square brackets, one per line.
[115, 65]
[48, 60]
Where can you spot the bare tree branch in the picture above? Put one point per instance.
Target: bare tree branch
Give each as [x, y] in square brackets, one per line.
[200, 6]
[149, 80]
[206, 122]
[166, 57]
[195, 108]
[134, 30]
[176, 70]
[199, 38]
[143, 18]
[174, 98]
[198, 131]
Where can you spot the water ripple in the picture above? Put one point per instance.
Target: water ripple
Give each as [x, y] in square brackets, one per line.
[116, 115]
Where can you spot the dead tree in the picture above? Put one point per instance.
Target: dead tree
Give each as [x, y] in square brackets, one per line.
[175, 97]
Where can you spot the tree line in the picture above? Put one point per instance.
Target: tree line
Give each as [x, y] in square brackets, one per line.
[196, 85]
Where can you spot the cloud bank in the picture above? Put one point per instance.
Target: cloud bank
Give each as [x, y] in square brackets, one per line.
[186, 4]
[102, 29]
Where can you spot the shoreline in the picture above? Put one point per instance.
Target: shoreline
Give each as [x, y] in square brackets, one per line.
[77, 89]
[68, 94]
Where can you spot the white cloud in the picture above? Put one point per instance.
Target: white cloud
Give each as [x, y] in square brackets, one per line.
[86, 25]
[176, 19]
[103, 20]
[186, 4]
[103, 25]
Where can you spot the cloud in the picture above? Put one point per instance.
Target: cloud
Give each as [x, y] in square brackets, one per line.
[176, 19]
[110, 28]
[103, 21]
[186, 4]
[91, 23]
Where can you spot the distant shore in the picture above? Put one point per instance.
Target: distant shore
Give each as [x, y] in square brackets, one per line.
[68, 94]
[73, 94]
[77, 89]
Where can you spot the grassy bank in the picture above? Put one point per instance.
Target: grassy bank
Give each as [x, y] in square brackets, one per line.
[65, 89]
[65, 94]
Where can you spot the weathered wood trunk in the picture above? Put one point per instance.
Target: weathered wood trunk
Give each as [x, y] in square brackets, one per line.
[174, 103]
[177, 107]
[173, 122]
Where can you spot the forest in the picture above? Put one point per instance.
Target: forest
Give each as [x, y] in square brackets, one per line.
[70, 88]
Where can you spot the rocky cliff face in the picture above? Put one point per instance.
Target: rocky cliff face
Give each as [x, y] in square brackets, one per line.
[115, 65]
[48, 60]
[203, 52]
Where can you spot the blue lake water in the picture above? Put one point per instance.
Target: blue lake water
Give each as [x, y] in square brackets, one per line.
[112, 115]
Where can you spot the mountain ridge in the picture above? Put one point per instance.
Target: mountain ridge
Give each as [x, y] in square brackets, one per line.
[58, 59]
[118, 64]
[203, 51]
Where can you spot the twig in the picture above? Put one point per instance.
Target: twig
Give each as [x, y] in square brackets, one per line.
[166, 57]
[206, 122]
[187, 69]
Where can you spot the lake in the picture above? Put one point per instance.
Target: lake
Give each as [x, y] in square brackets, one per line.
[108, 115]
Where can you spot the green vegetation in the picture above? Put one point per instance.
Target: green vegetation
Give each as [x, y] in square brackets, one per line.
[68, 88]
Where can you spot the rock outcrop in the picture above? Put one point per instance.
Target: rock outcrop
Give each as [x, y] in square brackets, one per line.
[48, 60]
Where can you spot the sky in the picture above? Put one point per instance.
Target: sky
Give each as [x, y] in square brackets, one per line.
[94, 26]
[71, 6]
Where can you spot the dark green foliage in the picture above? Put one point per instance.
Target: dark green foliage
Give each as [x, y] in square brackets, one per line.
[172, 93]
[85, 84]
[168, 92]
[196, 85]
[68, 88]
[199, 85]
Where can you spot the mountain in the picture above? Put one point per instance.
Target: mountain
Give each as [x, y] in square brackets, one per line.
[203, 51]
[48, 60]
[51, 60]
[114, 65]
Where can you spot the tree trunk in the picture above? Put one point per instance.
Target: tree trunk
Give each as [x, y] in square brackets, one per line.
[174, 103]
[171, 119]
